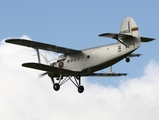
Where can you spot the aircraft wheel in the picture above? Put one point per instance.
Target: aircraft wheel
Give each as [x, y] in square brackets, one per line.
[80, 89]
[56, 86]
[127, 60]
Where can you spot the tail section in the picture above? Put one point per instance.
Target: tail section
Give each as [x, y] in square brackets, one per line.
[129, 27]
[129, 34]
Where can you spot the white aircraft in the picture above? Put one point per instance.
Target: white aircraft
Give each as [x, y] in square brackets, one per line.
[74, 64]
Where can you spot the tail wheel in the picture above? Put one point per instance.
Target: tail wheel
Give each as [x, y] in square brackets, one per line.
[127, 60]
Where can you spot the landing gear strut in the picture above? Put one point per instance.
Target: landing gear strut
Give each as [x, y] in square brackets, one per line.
[78, 84]
[76, 81]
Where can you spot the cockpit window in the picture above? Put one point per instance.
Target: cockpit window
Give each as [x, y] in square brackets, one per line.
[61, 58]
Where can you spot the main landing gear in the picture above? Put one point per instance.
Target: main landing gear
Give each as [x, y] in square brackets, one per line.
[76, 81]
[56, 86]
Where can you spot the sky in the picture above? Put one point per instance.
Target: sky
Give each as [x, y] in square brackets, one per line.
[76, 24]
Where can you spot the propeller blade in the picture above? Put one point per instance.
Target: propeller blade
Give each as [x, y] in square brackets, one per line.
[43, 74]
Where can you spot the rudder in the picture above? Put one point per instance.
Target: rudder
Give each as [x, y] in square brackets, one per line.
[129, 27]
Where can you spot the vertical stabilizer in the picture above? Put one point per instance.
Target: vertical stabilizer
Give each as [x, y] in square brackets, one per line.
[129, 27]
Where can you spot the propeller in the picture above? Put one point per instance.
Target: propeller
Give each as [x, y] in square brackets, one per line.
[43, 74]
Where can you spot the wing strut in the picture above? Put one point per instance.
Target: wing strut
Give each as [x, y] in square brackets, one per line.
[38, 54]
[111, 69]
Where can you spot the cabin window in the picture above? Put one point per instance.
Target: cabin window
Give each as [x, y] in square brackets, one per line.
[119, 48]
[71, 60]
[68, 61]
[88, 56]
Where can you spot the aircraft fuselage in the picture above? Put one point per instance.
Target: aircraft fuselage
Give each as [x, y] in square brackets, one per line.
[96, 58]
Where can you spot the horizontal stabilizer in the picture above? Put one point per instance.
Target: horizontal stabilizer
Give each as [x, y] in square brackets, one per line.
[146, 39]
[118, 37]
[124, 36]
[108, 74]
[115, 36]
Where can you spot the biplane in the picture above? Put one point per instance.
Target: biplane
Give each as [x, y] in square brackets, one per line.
[74, 64]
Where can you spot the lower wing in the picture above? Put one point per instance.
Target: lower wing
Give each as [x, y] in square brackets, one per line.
[64, 72]
[107, 74]
[57, 71]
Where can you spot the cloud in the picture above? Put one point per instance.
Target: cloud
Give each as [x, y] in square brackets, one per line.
[24, 96]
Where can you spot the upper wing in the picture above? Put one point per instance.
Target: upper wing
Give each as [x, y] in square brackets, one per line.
[43, 46]
[48, 68]
[108, 74]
